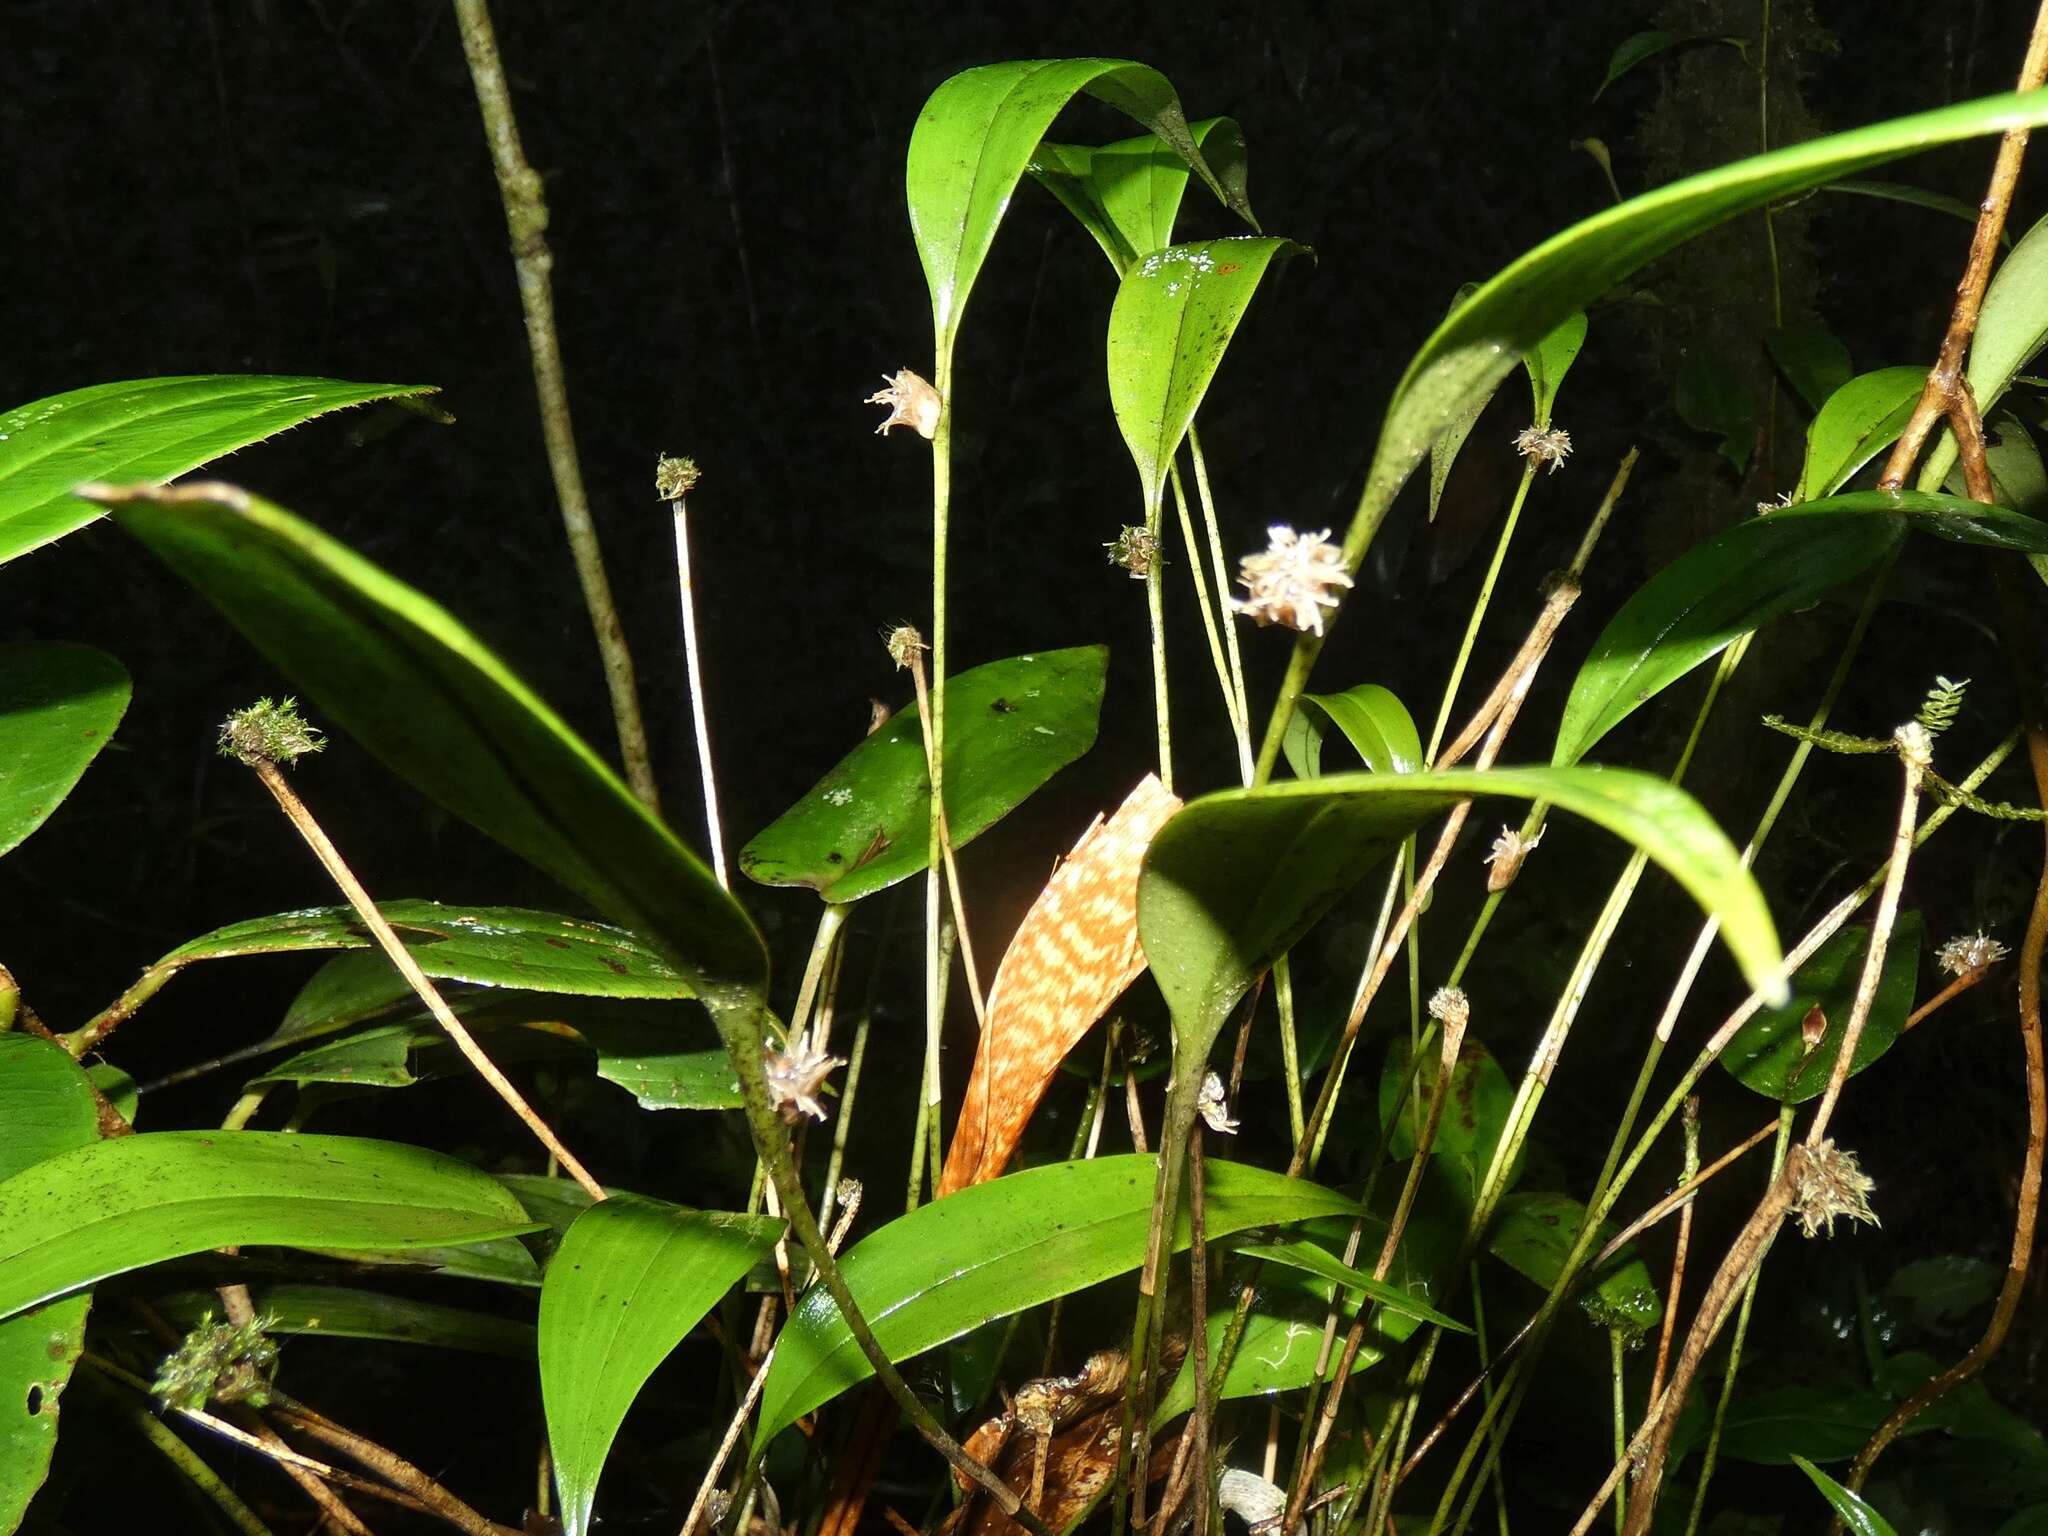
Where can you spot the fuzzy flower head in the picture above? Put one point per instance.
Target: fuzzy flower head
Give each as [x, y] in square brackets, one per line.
[904, 642]
[268, 732]
[1831, 1184]
[1538, 447]
[1135, 550]
[1212, 1107]
[795, 1075]
[675, 478]
[1291, 581]
[219, 1362]
[1915, 744]
[1450, 1007]
[1970, 952]
[912, 403]
[1504, 862]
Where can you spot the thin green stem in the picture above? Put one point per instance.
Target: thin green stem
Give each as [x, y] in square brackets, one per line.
[1479, 608]
[935, 748]
[1220, 573]
[1206, 602]
[1617, 1348]
[1290, 1054]
[1155, 612]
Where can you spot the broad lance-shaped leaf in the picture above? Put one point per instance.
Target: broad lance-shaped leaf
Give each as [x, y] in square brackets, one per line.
[398, 673]
[349, 1312]
[59, 704]
[1127, 195]
[119, 1205]
[1010, 726]
[1854, 425]
[1533, 1234]
[631, 1278]
[1547, 363]
[1856, 1512]
[46, 1109]
[1770, 1054]
[1175, 313]
[2011, 327]
[145, 429]
[998, 1248]
[1482, 339]
[1233, 881]
[1757, 571]
[1375, 722]
[973, 140]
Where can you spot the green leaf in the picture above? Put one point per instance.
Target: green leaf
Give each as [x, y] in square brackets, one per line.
[1941, 1292]
[1769, 1054]
[1010, 726]
[119, 1205]
[1533, 1235]
[1856, 1514]
[1306, 1256]
[973, 140]
[346, 1312]
[1917, 197]
[1474, 1116]
[399, 674]
[1715, 396]
[1443, 453]
[1176, 311]
[1856, 423]
[1713, 594]
[116, 1087]
[997, 1248]
[1777, 1425]
[1375, 722]
[2011, 327]
[1482, 340]
[1128, 194]
[1647, 45]
[47, 1109]
[1812, 358]
[59, 704]
[399, 1055]
[632, 1277]
[1548, 362]
[1233, 880]
[149, 430]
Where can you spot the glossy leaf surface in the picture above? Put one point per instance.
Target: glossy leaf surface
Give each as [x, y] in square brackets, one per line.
[1176, 311]
[1769, 1054]
[1548, 362]
[1855, 1511]
[1010, 726]
[118, 1205]
[629, 1280]
[1315, 1260]
[46, 1109]
[1855, 424]
[1127, 195]
[997, 1248]
[348, 1312]
[1533, 1234]
[397, 672]
[145, 429]
[59, 704]
[1375, 722]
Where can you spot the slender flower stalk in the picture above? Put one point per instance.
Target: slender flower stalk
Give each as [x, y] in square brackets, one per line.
[674, 478]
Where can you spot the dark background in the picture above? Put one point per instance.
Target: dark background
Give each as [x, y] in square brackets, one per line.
[241, 186]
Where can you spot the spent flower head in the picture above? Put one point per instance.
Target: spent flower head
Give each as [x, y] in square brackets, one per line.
[1214, 1109]
[219, 1362]
[1830, 1184]
[904, 642]
[1292, 580]
[795, 1075]
[1136, 550]
[1504, 861]
[912, 403]
[1970, 952]
[1540, 447]
[675, 478]
[268, 732]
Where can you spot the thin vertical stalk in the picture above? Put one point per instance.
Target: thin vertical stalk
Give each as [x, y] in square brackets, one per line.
[1225, 680]
[526, 219]
[1155, 612]
[1617, 1348]
[1221, 575]
[1290, 1051]
[1479, 607]
[935, 731]
[693, 667]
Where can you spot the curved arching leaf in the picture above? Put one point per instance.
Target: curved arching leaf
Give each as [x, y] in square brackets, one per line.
[1548, 362]
[1127, 195]
[46, 1108]
[1375, 722]
[1769, 1054]
[1010, 726]
[402, 676]
[118, 1205]
[1175, 313]
[631, 1278]
[973, 140]
[997, 1248]
[349, 1312]
[145, 429]
[1854, 425]
[59, 704]
[1643, 46]
[1856, 1512]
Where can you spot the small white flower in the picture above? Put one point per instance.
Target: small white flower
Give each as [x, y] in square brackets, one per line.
[1830, 1184]
[1210, 1105]
[1450, 1007]
[1505, 861]
[1290, 581]
[1970, 952]
[1914, 743]
[1777, 503]
[912, 403]
[795, 1075]
[1552, 447]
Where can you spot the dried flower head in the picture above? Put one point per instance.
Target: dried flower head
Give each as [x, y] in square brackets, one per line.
[675, 478]
[1777, 503]
[1258, 1503]
[1970, 952]
[796, 1074]
[912, 403]
[1212, 1107]
[1538, 447]
[904, 642]
[1136, 550]
[1291, 580]
[219, 1362]
[1830, 1184]
[1914, 743]
[268, 732]
[1504, 862]
[1450, 1007]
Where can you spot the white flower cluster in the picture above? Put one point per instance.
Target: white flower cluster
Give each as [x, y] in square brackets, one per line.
[1292, 580]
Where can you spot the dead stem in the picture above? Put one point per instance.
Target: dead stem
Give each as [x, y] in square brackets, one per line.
[1680, 1245]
